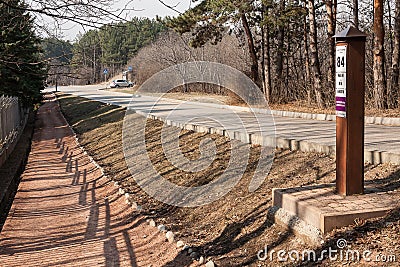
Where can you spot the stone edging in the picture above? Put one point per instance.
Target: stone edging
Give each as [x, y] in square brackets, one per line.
[389, 121]
[374, 157]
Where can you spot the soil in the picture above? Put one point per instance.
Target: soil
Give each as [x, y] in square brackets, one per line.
[233, 229]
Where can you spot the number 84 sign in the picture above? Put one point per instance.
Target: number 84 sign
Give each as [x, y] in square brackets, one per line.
[341, 58]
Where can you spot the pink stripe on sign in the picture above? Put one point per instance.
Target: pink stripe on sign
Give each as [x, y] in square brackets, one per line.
[341, 103]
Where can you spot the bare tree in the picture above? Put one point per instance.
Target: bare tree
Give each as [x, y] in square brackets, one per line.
[355, 13]
[314, 56]
[251, 46]
[266, 53]
[172, 49]
[86, 13]
[331, 28]
[307, 74]
[280, 48]
[379, 91]
[393, 86]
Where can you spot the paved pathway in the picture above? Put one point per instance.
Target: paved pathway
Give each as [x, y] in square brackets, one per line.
[377, 137]
[66, 213]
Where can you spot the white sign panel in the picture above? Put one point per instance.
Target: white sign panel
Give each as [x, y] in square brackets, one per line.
[341, 84]
[341, 58]
[341, 77]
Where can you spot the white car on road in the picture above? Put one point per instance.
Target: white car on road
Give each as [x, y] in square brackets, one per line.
[120, 83]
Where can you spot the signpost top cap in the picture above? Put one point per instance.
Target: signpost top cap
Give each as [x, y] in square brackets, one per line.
[350, 32]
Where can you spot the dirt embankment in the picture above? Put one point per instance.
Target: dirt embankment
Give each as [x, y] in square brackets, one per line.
[233, 229]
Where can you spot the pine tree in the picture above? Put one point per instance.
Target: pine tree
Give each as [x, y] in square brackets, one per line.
[22, 69]
[112, 46]
[209, 21]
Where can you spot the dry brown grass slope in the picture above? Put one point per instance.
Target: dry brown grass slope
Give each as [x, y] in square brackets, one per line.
[233, 229]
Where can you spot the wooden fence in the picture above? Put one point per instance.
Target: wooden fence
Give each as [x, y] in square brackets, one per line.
[12, 122]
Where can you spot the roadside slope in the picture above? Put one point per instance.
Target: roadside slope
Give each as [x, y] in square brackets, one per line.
[233, 229]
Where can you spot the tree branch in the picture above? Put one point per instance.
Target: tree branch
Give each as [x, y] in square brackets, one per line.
[171, 7]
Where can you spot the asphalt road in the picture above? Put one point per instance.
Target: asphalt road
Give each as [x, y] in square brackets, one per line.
[377, 137]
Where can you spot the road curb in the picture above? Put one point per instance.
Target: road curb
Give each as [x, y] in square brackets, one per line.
[370, 156]
[388, 121]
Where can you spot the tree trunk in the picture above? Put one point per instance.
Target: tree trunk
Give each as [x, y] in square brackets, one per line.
[263, 77]
[394, 77]
[334, 11]
[331, 28]
[379, 92]
[314, 57]
[266, 61]
[307, 78]
[263, 71]
[288, 93]
[279, 54]
[94, 65]
[389, 13]
[355, 13]
[252, 49]
[280, 48]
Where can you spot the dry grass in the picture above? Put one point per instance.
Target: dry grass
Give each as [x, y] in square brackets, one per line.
[233, 229]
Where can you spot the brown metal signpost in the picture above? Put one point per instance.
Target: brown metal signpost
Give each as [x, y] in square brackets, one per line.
[350, 91]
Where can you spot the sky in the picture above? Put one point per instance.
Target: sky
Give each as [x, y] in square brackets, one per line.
[142, 8]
